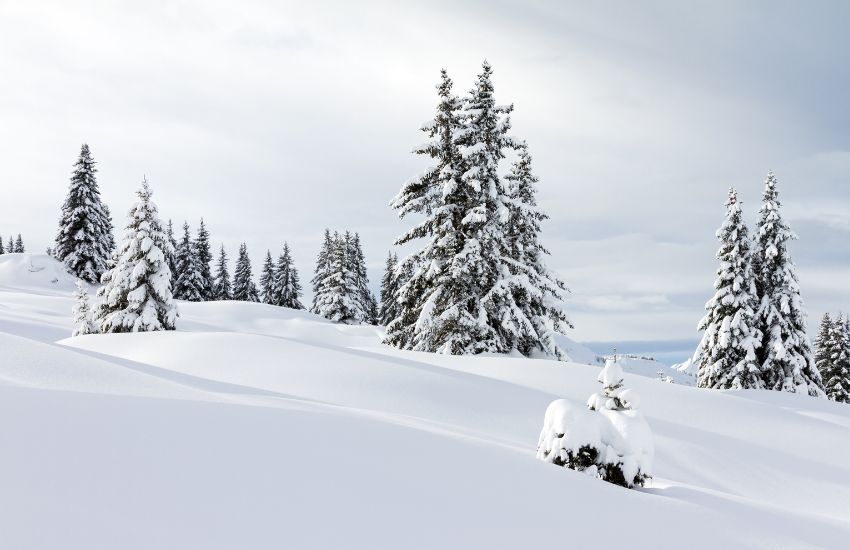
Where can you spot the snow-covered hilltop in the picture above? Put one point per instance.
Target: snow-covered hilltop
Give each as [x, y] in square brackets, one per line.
[255, 426]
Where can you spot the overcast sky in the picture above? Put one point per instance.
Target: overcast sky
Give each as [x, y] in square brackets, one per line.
[273, 120]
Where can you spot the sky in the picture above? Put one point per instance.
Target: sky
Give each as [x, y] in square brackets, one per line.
[274, 120]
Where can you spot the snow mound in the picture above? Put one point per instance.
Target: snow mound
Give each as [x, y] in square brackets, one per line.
[34, 273]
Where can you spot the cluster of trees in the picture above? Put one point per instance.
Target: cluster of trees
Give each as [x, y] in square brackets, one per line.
[13, 245]
[832, 356]
[340, 283]
[479, 282]
[755, 327]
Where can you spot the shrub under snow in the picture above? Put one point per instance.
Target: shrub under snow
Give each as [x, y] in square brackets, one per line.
[610, 439]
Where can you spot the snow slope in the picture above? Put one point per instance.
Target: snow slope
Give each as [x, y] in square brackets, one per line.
[260, 427]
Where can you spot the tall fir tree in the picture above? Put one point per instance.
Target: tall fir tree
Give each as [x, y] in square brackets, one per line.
[136, 292]
[222, 289]
[244, 288]
[2, 248]
[204, 252]
[368, 306]
[171, 258]
[267, 277]
[340, 300]
[189, 285]
[19, 245]
[84, 242]
[389, 291]
[459, 298]
[10, 248]
[728, 348]
[323, 270]
[785, 355]
[538, 293]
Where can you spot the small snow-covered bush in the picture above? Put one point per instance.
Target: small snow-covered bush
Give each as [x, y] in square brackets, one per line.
[609, 439]
[82, 312]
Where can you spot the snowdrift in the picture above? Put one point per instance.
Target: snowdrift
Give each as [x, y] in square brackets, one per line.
[258, 427]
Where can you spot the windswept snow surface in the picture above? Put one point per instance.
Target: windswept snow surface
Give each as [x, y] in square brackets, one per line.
[260, 427]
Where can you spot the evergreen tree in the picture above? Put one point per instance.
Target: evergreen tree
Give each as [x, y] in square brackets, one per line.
[2, 248]
[10, 248]
[459, 298]
[19, 245]
[244, 288]
[84, 241]
[368, 306]
[110, 234]
[389, 291]
[785, 355]
[286, 285]
[267, 277]
[171, 257]
[82, 312]
[340, 298]
[832, 357]
[323, 270]
[189, 285]
[538, 294]
[728, 349]
[204, 252]
[221, 287]
[136, 292]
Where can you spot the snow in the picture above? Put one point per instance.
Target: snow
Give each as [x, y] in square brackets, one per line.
[254, 426]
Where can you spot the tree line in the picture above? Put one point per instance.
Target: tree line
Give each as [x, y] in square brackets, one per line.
[13, 246]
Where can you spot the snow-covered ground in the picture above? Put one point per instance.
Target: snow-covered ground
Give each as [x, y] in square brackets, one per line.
[259, 427]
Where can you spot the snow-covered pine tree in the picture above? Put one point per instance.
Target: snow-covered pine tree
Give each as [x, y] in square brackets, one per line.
[267, 276]
[728, 349]
[537, 292]
[83, 323]
[2, 248]
[171, 258]
[367, 303]
[204, 253]
[323, 270]
[10, 248]
[785, 355]
[110, 233]
[189, 285]
[339, 301]
[221, 287]
[286, 284]
[84, 241]
[136, 291]
[19, 245]
[440, 303]
[389, 288]
[244, 288]
[832, 357]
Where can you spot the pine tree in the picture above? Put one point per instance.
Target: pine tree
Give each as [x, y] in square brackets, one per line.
[204, 252]
[244, 288]
[189, 285]
[389, 291]
[538, 294]
[221, 287]
[340, 298]
[19, 245]
[367, 305]
[785, 355]
[84, 241]
[2, 248]
[10, 248]
[171, 257]
[267, 277]
[82, 312]
[459, 297]
[728, 348]
[136, 292]
[832, 357]
[286, 287]
[323, 270]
